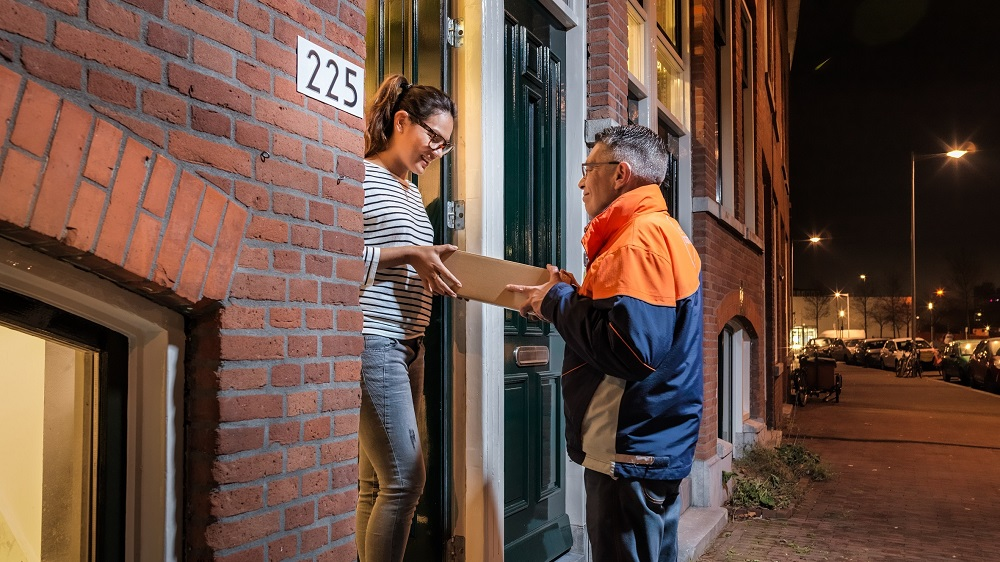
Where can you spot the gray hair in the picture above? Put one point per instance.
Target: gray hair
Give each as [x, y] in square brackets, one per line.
[640, 147]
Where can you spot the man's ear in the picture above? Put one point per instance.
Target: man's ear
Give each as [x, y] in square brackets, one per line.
[623, 175]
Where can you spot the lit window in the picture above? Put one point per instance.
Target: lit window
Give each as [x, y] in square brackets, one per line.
[667, 18]
[636, 45]
[669, 82]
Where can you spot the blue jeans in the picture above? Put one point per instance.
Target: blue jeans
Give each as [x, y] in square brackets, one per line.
[632, 520]
[390, 459]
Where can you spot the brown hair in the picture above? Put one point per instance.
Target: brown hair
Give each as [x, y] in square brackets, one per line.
[394, 94]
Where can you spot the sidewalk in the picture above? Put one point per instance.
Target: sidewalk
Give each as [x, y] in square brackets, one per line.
[916, 476]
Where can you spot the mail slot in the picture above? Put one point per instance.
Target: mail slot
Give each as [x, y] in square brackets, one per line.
[531, 355]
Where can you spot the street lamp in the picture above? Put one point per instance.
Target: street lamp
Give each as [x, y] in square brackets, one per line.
[864, 302]
[930, 310]
[812, 240]
[840, 313]
[958, 153]
[839, 294]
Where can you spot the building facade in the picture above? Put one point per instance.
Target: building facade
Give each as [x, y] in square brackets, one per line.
[181, 238]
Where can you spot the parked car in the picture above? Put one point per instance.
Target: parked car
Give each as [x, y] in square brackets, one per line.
[869, 350]
[955, 359]
[853, 348]
[984, 365]
[893, 351]
[826, 347]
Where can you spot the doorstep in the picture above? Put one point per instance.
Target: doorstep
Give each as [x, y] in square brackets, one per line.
[698, 528]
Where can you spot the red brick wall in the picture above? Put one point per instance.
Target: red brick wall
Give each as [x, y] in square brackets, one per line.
[607, 60]
[735, 279]
[162, 145]
[731, 271]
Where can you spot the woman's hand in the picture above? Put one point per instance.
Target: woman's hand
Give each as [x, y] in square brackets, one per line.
[426, 261]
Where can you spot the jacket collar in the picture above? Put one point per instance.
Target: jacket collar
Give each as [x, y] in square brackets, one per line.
[641, 200]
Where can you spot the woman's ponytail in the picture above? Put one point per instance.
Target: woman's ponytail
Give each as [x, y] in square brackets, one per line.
[378, 128]
[394, 94]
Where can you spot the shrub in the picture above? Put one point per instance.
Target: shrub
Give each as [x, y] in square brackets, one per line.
[769, 478]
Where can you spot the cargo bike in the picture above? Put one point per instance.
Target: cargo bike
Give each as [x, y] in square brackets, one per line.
[815, 376]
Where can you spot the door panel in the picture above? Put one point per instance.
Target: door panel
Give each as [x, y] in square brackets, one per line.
[536, 527]
[405, 36]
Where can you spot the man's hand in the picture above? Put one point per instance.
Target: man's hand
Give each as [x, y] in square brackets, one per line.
[426, 261]
[568, 278]
[532, 308]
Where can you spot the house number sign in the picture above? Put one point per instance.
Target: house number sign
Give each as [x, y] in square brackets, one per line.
[325, 77]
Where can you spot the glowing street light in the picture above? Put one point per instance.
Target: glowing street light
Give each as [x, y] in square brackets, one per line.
[837, 295]
[956, 153]
[930, 308]
[811, 241]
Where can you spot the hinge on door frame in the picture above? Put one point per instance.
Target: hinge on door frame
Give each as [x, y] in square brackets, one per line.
[456, 32]
[455, 215]
[455, 549]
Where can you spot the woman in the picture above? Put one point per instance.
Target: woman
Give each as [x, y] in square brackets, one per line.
[407, 128]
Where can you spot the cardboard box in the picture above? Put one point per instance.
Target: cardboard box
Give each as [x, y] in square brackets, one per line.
[484, 279]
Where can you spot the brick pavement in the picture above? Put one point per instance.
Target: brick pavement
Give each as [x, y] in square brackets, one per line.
[916, 466]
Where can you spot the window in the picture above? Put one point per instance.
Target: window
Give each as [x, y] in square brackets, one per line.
[668, 16]
[720, 187]
[656, 67]
[61, 415]
[720, 16]
[633, 109]
[748, 129]
[670, 187]
[669, 81]
[111, 338]
[659, 90]
[636, 45]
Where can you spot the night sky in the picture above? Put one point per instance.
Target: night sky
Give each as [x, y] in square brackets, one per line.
[871, 81]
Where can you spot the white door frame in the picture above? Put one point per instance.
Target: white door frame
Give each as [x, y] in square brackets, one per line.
[479, 181]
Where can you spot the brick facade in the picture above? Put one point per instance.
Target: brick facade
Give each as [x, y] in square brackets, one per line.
[740, 272]
[743, 274]
[607, 60]
[162, 145]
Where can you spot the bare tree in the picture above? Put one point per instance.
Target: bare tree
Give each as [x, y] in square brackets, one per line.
[817, 305]
[964, 273]
[863, 302]
[901, 316]
[895, 304]
[882, 313]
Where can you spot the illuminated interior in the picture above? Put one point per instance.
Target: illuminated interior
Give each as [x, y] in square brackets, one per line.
[47, 434]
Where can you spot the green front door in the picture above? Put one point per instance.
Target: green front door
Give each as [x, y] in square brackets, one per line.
[536, 527]
[406, 37]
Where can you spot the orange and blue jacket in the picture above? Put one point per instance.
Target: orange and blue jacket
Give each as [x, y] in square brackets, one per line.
[632, 373]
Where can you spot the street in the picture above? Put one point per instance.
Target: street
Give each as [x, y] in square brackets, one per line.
[915, 466]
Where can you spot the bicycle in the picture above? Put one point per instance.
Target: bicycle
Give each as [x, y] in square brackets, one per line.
[909, 366]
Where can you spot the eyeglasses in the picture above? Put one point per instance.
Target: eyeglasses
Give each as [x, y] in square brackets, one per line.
[585, 167]
[438, 142]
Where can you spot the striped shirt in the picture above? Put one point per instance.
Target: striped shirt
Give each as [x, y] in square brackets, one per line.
[393, 301]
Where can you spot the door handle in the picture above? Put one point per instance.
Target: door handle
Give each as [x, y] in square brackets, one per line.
[531, 355]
